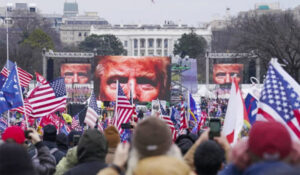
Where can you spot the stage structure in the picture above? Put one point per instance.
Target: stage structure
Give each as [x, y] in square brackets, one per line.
[228, 61]
[179, 65]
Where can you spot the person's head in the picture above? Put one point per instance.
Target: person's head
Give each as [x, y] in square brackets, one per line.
[61, 140]
[92, 146]
[269, 141]
[152, 137]
[208, 158]
[112, 136]
[147, 75]
[76, 73]
[185, 142]
[50, 133]
[13, 134]
[223, 73]
[14, 160]
[162, 165]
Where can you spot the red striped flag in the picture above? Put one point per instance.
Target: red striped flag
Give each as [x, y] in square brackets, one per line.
[183, 120]
[92, 113]
[24, 76]
[164, 116]
[40, 79]
[124, 110]
[28, 108]
[48, 98]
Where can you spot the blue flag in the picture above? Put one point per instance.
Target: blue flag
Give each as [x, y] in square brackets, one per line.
[193, 109]
[251, 107]
[12, 90]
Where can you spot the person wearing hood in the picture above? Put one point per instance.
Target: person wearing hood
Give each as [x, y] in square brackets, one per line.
[91, 152]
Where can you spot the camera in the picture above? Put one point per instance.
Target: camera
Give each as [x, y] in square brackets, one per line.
[215, 128]
[27, 134]
[126, 126]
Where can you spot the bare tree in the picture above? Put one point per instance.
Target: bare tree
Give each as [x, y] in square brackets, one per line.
[267, 36]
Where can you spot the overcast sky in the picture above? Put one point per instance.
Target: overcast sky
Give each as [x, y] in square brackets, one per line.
[147, 12]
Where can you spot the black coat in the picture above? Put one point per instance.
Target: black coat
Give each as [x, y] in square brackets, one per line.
[56, 152]
[87, 168]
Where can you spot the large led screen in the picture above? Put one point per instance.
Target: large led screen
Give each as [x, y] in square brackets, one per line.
[148, 78]
[222, 73]
[77, 73]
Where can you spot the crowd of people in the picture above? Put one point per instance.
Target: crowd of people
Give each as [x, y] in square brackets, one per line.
[269, 149]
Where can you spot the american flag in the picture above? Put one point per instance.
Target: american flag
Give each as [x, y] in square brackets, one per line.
[48, 98]
[75, 123]
[100, 126]
[183, 120]
[24, 76]
[92, 113]
[280, 99]
[164, 115]
[40, 79]
[3, 123]
[124, 110]
[28, 108]
[65, 129]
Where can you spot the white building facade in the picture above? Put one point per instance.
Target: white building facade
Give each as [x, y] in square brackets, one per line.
[150, 40]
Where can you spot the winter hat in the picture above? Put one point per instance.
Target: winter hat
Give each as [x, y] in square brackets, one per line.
[269, 140]
[112, 136]
[92, 146]
[152, 137]
[162, 165]
[15, 133]
[49, 133]
[14, 160]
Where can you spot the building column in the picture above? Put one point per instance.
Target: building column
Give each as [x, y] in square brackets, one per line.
[162, 46]
[138, 46]
[154, 47]
[146, 46]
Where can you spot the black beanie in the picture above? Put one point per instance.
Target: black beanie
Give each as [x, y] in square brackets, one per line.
[49, 133]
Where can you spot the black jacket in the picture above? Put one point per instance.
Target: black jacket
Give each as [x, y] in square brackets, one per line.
[87, 168]
[54, 150]
[91, 152]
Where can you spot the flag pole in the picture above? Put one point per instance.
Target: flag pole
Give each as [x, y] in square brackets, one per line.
[116, 106]
[7, 55]
[24, 110]
[131, 91]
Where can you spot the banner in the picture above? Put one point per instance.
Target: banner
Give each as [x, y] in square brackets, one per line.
[189, 77]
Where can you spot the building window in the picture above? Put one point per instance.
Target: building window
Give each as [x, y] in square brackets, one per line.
[165, 52]
[142, 52]
[158, 52]
[85, 34]
[150, 52]
[135, 43]
[125, 43]
[135, 53]
[158, 43]
[150, 43]
[166, 43]
[79, 34]
[142, 43]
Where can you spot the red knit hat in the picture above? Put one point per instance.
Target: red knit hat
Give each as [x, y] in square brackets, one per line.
[270, 140]
[15, 133]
